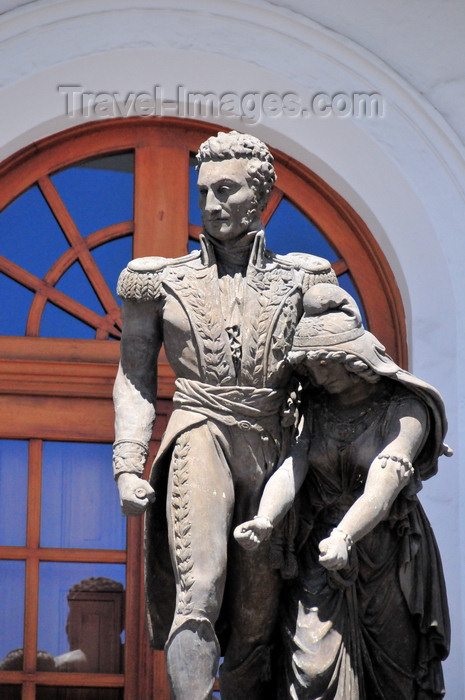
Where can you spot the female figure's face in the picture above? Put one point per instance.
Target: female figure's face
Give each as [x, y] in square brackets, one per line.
[332, 376]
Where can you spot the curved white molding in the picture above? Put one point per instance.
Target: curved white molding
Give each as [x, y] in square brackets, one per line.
[255, 14]
[55, 27]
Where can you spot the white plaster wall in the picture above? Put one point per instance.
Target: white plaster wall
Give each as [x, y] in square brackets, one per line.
[403, 173]
[422, 40]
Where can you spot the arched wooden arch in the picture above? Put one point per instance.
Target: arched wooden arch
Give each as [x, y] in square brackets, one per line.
[60, 389]
[162, 148]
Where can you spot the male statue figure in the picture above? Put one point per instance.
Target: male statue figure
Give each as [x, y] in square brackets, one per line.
[226, 315]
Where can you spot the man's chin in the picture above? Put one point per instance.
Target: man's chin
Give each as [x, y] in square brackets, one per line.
[224, 234]
[216, 228]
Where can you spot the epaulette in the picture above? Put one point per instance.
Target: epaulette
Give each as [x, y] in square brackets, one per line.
[315, 269]
[141, 279]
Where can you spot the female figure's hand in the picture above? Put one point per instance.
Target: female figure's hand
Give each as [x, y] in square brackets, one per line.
[253, 532]
[334, 550]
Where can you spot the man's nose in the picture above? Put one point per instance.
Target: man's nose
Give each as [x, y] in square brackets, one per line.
[212, 205]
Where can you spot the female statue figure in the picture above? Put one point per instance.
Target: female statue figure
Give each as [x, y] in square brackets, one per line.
[366, 616]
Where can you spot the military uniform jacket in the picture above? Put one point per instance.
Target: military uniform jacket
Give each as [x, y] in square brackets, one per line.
[192, 323]
[193, 326]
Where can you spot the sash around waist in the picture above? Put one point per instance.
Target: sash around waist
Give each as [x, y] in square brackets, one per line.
[245, 406]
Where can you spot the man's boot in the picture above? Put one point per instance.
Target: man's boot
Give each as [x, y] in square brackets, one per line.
[192, 655]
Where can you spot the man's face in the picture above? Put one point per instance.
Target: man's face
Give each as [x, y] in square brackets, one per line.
[226, 199]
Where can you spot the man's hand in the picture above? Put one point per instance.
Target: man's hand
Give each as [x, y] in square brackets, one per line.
[253, 532]
[135, 494]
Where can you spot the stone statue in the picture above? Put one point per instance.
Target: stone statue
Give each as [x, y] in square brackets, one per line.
[366, 617]
[227, 316]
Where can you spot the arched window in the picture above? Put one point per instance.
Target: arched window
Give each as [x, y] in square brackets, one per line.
[75, 207]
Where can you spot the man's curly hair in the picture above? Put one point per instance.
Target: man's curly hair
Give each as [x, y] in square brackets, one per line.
[235, 145]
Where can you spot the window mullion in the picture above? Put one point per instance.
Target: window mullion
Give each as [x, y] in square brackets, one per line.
[31, 614]
[161, 212]
[76, 241]
[61, 300]
[340, 267]
[29, 691]
[31, 609]
[34, 494]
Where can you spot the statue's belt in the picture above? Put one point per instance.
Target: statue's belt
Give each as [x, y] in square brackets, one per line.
[248, 408]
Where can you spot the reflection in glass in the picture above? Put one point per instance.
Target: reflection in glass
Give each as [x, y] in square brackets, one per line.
[10, 692]
[98, 192]
[80, 506]
[14, 660]
[44, 693]
[13, 492]
[11, 606]
[81, 616]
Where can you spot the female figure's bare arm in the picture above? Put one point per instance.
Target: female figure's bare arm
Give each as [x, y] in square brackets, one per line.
[388, 474]
[278, 496]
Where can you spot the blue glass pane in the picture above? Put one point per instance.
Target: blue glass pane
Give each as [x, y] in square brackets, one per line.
[56, 323]
[29, 233]
[15, 307]
[11, 606]
[192, 245]
[98, 192]
[13, 492]
[56, 580]
[80, 506]
[289, 231]
[345, 281]
[75, 284]
[195, 216]
[112, 257]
